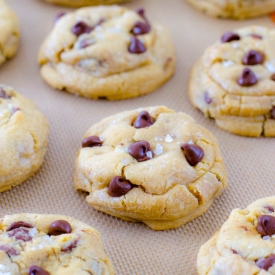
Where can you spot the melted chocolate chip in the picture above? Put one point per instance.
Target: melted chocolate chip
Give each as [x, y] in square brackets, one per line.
[19, 224]
[247, 78]
[256, 36]
[269, 208]
[91, 141]
[9, 250]
[253, 58]
[141, 28]
[119, 187]
[143, 120]
[273, 112]
[20, 234]
[3, 94]
[58, 16]
[59, 227]
[136, 46]
[266, 225]
[229, 36]
[193, 153]
[80, 28]
[141, 12]
[266, 263]
[139, 150]
[69, 247]
[36, 270]
[207, 98]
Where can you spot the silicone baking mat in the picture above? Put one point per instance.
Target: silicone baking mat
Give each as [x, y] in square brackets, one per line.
[132, 247]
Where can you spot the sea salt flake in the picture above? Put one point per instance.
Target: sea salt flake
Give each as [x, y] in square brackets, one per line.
[125, 161]
[157, 138]
[159, 149]
[266, 238]
[227, 63]
[149, 154]
[235, 45]
[101, 138]
[270, 66]
[32, 232]
[190, 142]
[168, 138]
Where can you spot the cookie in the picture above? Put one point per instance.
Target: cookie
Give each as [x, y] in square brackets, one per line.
[150, 165]
[49, 245]
[107, 52]
[81, 3]
[9, 37]
[24, 138]
[234, 82]
[245, 244]
[234, 9]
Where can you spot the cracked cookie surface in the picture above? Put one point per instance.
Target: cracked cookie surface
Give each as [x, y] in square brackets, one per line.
[24, 138]
[50, 245]
[234, 9]
[9, 36]
[81, 3]
[107, 52]
[150, 165]
[234, 82]
[244, 245]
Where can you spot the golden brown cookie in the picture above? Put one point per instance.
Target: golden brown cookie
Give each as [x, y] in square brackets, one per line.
[108, 52]
[150, 165]
[234, 82]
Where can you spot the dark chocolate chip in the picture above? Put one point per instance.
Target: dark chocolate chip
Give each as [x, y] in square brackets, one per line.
[20, 234]
[266, 263]
[58, 16]
[139, 149]
[36, 270]
[266, 225]
[141, 28]
[207, 98]
[256, 36]
[19, 224]
[69, 247]
[193, 153]
[229, 36]
[119, 187]
[269, 208]
[234, 251]
[247, 78]
[141, 12]
[136, 46]
[9, 250]
[80, 28]
[253, 58]
[3, 94]
[91, 141]
[273, 112]
[59, 227]
[143, 120]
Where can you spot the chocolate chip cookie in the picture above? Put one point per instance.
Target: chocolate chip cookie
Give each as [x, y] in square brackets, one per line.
[234, 82]
[49, 245]
[245, 244]
[24, 138]
[234, 9]
[107, 52]
[150, 165]
[81, 3]
[9, 36]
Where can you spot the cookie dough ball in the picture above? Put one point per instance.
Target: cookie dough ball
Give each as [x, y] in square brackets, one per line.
[50, 245]
[108, 52]
[150, 165]
[234, 9]
[234, 82]
[81, 3]
[245, 244]
[24, 138]
[9, 36]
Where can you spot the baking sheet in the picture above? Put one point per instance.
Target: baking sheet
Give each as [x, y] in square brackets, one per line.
[132, 247]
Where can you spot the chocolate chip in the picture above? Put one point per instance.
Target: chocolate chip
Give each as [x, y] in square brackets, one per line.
[20, 234]
[139, 150]
[233, 251]
[80, 28]
[9, 250]
[247, 78]
[141, 12]
[229, 36]
[266, 225]
[266, 263]
[58, 16]
[256, 36]
[253, 58]
[3, 94]
[59, 227]
[19, 224]
[273, 112]
[269, 208]
[36, 270]
[273, 77]
[69, 247]
[207, 98]
[136, 46]
[143, 120]
[193, 153]
[91, 141]
[119, 187]
[141, 28]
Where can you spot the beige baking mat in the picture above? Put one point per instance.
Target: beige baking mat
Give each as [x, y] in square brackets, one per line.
[133, 248]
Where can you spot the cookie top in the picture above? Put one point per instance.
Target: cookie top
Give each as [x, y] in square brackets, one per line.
[150, 165]
[245, 244]
[108, 52]
[234, 82]
[9, 36]
[50, 245]
[24, 138]
[81, 3]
